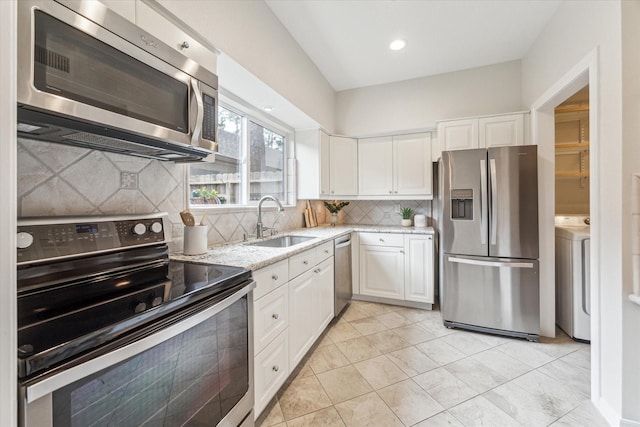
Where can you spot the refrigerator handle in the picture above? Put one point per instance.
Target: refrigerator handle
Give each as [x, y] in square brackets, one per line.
[494, 202]
[484, 200]
[510, 264]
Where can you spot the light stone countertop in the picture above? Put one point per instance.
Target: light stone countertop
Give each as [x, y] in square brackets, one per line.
[243, 254]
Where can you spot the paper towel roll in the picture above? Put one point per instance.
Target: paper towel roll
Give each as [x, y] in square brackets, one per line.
[420, 220]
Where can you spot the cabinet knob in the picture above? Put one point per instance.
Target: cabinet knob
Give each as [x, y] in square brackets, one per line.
[326, 251]
[332, 191]
[401, 251]
[274, 277]
[390, 192]
[275, 368]
[396, 191]
[184, 45]
[305, 262]
[382, 240]
[275, 316]
[317, 270]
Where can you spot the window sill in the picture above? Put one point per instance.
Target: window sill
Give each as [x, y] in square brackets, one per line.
[235, 208]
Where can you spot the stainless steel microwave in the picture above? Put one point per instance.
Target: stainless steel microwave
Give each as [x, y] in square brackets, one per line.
[89, 77]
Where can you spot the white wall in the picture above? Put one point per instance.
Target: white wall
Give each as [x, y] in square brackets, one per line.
[250, 33]
[576, 30]
[8, 316]
[419, 103]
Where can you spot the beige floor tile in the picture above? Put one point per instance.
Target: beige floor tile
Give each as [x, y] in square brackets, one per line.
[393, 320]
[353, 313]
[273, 416]
[437, 328]
[580, 358]
[501, 362]
[480, 412]
[412, 361]
[368, 325]
[387, 341]
[444, 387]
[303, 396]
[374, 308]
[409, 402]
[466, 343]
[380, 372]
[342, 331]
[525, 352]
[414, 334]
[358, 349]
[325, 340]
[344, 383]
[327, 358]
[475, 374]
[585, 415]
[303, 370]
[574, 376]
[440, 352]
[327, 417]
[367, 411]
[443, 419]
[418, 315]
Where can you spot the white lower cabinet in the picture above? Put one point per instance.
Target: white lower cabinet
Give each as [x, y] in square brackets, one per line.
[396, 266]
[418, 268]
[293, 304]
[271, 369]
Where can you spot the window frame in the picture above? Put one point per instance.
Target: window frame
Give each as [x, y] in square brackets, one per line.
[251, 113]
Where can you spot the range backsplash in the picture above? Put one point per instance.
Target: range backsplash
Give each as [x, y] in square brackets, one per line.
[59, 180]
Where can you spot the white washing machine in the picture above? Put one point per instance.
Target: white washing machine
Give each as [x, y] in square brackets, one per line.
[573, 290]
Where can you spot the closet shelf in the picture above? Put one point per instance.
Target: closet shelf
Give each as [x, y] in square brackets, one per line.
[572, 174]
[573, 145]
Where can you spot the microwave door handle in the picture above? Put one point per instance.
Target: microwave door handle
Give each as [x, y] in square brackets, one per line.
[197, 127]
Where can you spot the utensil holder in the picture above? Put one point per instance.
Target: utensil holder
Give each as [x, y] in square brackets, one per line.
[195, 240]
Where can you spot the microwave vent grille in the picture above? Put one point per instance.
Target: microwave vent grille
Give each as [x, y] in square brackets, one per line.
[51, 59]
[112, 144]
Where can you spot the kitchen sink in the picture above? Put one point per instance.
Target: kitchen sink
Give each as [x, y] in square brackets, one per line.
[282, 241]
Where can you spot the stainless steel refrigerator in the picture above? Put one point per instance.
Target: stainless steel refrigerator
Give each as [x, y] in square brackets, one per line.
[490, 280]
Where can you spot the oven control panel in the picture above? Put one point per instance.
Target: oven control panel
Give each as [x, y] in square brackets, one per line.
[39, 240]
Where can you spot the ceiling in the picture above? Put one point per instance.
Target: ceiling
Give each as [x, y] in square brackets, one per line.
[348, 40]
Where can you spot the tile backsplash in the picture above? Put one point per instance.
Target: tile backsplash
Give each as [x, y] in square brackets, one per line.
[59, 180]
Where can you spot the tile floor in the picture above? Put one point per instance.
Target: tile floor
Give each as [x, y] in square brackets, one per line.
[383, 365]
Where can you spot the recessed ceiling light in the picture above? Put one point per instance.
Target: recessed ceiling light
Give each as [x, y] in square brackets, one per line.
[268, 108]
[397, 44]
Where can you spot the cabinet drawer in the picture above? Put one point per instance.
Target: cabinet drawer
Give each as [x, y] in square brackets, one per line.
[270, 278]
[381, 239]
[271, 316]
[300, 263]
[271, 369]
[324, 251]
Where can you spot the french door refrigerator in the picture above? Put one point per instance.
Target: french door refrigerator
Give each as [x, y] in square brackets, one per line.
[490, 280]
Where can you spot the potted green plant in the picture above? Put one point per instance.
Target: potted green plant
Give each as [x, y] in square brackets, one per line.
[406, 213]
[210, 196]
[334, 207]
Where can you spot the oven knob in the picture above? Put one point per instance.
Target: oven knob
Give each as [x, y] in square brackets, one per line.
[24, 240]
[155, 301]
[139, 229]
[139, 307]
[156, 227]
[25, 350]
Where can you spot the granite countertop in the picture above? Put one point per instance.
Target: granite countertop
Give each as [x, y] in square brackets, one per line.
[243, 254]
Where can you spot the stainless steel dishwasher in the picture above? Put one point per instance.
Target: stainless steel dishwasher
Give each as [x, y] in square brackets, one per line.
[342, 271]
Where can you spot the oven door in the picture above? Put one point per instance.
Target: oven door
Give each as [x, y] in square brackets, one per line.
[195, 370]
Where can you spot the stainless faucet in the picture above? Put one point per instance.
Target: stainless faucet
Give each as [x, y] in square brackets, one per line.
[260, 227]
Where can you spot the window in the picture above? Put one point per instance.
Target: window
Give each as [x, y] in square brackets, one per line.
[250, 164]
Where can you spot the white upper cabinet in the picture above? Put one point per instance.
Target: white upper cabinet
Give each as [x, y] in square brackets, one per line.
[501, 131]
[458, 134]
[343, 169]
[397, 165]
[482, 132]
[314, 162]
[157, 25]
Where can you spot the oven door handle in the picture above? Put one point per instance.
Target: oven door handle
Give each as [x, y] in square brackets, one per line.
[75, 373]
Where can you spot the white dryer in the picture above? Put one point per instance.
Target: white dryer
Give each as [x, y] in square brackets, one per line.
[573, 290]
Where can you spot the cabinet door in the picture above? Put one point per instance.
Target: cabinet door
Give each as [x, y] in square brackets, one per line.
[501, 131]
[418, 272]
[324, 294]
[412, 164]
[301, 307]
[271, 369]
[382, 271]
[270, 317]
[159, 26]
[344, 166]
[458, 134]
[325, 165]
[375, 166]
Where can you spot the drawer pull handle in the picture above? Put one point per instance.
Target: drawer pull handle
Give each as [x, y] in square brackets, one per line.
[401, 252]
[275, 368]
[274, 277]
[326, 251]
[275, 316]
[305, 262]
[382, 240]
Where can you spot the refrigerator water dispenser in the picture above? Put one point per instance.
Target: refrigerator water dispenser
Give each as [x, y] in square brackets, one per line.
[462, 204]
